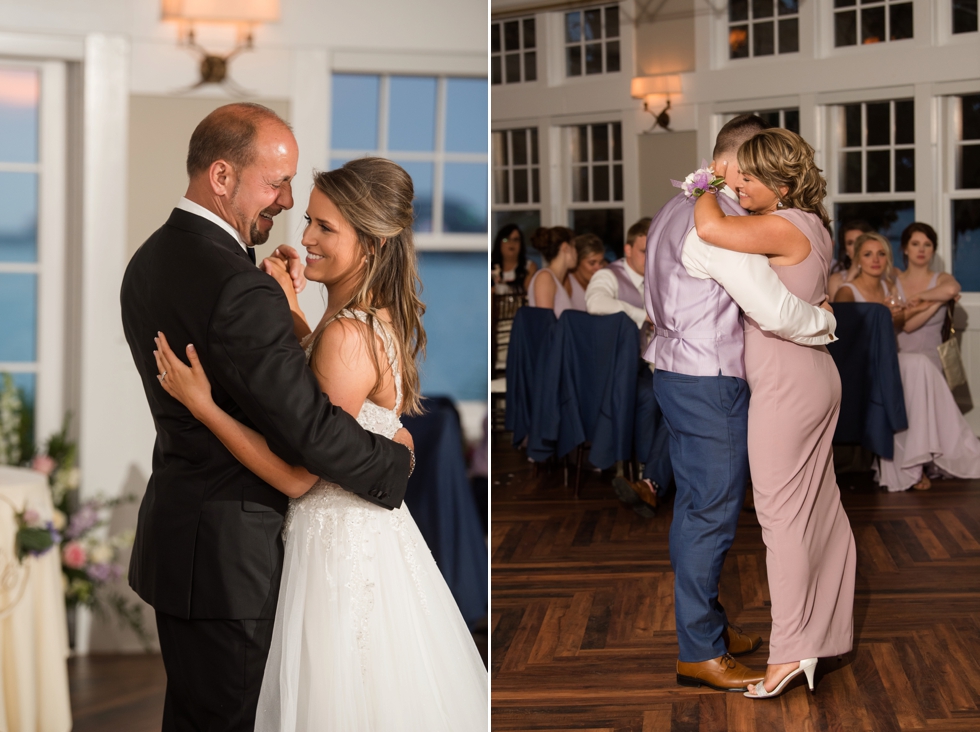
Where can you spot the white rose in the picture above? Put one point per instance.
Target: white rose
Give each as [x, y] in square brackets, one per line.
[74, 478]
[59, 520]
[101, 554]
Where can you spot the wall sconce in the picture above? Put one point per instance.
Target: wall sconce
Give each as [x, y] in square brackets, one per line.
[652, 89]
[243, 14]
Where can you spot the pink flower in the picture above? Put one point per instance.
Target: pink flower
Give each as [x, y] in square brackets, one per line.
[31, 517]
[43, 464]
[73, 555]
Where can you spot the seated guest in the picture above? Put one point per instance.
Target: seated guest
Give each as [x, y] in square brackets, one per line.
[591, 259]
[841, 269]
[619, 287]
[508, 261]
[922, 332]
[549, 287]
[937, 436]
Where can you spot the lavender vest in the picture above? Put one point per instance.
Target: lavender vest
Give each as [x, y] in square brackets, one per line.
[627, 290]
[698, 327]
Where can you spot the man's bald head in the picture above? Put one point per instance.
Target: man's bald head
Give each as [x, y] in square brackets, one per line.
[229, 133]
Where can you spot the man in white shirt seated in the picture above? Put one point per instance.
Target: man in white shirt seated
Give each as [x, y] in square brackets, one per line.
[619, 287]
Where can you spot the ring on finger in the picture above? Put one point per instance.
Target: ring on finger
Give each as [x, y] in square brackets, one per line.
[162, 376]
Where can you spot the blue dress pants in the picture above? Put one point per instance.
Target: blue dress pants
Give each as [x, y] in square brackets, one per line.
[707, 418]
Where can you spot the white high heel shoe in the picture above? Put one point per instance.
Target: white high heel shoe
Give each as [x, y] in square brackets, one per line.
[808, 666]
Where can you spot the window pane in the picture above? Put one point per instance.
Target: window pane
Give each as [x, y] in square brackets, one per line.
[612, 22]
[465, 198]
[968, 166]
[18, 218]
[879, 171]
[18, 326]
[900, 17]
[600, 183]
[412, 115]
[466, 115]
[966, 244]
[529, 41]
[852, 125]
[354, 118]
[512, 35]
[606, 223]
[520, 185]
[762, 9]
[573, 27]
[338, 162]
[501, 186]
[495, 38]
[519, 141]
[27, 383]
[770, 118]
[789, 35]
[872, 25]
[593, 25]
[904, 122]
[763, 40]
[512, 64]
[844, 3]
[970, 117]
[888, 218]
[964, 16]
[788, 7]
[593, 58]
[792, 122]
[738, 10]
[879, 123]
[580, 183]
[600, 142]
[851, 169]
[19, 93]
[738, 41]
[617, 133]
[573, 61]
[530, 66]
[612, 56]
[905, 170]
[422, 179]
[845, 28]
[535, 186]
[495, 75]
[580, 143]
[534, 145]
[617, 182]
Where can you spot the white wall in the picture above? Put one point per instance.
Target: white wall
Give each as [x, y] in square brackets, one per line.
[124, 49]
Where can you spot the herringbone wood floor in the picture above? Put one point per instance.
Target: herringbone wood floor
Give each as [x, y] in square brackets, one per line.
[582, 615]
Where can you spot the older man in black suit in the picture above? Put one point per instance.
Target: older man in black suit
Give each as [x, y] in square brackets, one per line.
[208, 552]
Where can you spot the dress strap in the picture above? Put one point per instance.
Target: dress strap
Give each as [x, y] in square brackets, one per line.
[381, 329]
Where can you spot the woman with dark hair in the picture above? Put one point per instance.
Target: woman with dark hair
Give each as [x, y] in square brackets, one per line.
[367, 635]
[591, 258]
[508, 260]
[549, 286]
[922, 332]
[843, 268]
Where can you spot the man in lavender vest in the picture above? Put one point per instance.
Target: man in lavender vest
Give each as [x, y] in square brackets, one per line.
[618, 288]
[695, 294]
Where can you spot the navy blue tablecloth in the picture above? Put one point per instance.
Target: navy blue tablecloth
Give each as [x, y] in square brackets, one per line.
[872, 401]
[530, 336]
[441, 501]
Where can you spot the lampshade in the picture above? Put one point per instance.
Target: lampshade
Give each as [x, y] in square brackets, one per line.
[644, 86]
[222, 11]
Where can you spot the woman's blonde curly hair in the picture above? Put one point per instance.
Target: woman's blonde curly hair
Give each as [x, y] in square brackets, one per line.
[778, 158]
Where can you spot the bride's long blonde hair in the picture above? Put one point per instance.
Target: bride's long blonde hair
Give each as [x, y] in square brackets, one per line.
[374, 195]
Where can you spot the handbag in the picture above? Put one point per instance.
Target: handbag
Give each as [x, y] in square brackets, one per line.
[949, 352]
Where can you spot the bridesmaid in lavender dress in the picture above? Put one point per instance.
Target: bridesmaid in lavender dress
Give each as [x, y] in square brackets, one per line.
[549, 287]
[937, 433]
[591, 258]
[793, 411]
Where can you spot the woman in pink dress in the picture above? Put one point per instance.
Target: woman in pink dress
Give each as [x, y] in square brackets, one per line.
[937, 436]
[591, 258]
[792, 412]
[549, 287]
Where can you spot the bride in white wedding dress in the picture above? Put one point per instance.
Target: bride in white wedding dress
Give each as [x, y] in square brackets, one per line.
[367, 634]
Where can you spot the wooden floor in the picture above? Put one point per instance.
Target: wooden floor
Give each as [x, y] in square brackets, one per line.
[582, 620]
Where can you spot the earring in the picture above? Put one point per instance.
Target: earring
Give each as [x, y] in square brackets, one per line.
[779, 204]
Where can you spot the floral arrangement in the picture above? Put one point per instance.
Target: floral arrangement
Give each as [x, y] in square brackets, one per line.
[701, 181]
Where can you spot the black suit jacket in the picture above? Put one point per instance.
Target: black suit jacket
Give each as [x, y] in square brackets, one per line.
[208, 540]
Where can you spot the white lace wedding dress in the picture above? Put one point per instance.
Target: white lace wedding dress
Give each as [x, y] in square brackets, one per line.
[367, 635]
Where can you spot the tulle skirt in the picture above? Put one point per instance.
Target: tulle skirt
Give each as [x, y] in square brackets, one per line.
[367, 635]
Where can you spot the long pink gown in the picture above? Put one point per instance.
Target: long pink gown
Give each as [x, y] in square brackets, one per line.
[578, 294]
[937, 433]
[810, 554]
[562, 301]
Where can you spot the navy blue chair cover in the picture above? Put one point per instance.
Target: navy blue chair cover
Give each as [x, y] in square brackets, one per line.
[585, 389]
[531, 331]
[441, 501]
[872, 401]
[651, 438]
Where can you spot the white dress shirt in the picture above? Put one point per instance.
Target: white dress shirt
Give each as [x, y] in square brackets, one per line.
[185, 204]
[602, 295]
[758, 291]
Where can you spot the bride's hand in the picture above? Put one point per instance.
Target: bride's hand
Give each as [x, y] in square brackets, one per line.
[294, 265]
[278, 270]
[187, 384]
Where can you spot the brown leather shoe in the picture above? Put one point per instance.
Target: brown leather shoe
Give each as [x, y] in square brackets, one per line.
[739, 642]
[637, 494]
[723, 674]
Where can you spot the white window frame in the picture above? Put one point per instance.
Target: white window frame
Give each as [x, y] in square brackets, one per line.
[522, 50]
[864, 148]
[570, 166]
[752, 22]
[950, 191]
[509, 167]
[582, 43]
[833, 12]
[49, 399]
